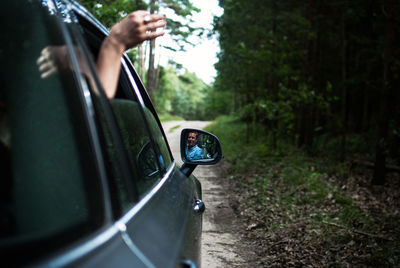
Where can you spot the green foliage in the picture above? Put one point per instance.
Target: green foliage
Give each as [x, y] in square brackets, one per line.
[110, 12]
[173, 128]
[168, 117]
[182, 95]
[301, 199]
[231, 133]
[180, 28]
[311, 72]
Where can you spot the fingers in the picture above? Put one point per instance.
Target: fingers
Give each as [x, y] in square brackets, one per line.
[151, 22]
[152, 35]
[136, 28]
[44, 55]
[154, 25]
[47, 70]
[142, 17]
[46, 64]
[154, 22]
[151, 18]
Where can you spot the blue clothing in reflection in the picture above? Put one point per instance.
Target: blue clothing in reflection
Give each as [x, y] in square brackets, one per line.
[195, 153]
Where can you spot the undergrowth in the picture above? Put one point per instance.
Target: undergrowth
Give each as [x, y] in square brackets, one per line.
[169, 117]
[308, 210]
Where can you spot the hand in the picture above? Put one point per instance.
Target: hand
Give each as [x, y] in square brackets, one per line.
[137, 27]
[52, 60]
[55, 59]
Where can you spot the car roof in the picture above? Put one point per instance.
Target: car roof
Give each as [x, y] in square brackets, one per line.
[82, 11]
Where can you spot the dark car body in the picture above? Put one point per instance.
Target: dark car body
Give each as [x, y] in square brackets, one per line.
[85, 181]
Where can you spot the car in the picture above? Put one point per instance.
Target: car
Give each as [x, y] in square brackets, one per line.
[87, 181]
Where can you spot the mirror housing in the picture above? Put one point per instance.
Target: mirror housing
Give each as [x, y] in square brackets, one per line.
[199, 147]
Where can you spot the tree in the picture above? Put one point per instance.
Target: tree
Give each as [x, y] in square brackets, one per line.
[182, 94]
[312, 71]
[111, 11]
[386, 94]
[179, 28]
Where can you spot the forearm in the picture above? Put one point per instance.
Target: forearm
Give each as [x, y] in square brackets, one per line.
[129, 32]
[109, 65]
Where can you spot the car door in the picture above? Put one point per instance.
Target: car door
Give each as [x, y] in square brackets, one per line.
[179, 195]
[55, 203]
[161, 223]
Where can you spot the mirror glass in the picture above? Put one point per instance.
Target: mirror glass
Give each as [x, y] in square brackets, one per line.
[200, 146]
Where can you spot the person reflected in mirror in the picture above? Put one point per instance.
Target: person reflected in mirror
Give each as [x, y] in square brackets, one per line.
[131, 31]
[193, 151]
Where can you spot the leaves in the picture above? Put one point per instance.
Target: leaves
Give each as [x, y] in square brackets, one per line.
[316, 65]
[110, 12]
[304, 211]
[183, 95]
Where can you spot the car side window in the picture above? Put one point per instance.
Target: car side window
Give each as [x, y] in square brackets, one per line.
[164, 153]
[137, 142]
[50, 188]
[157, 145]
[145, 161]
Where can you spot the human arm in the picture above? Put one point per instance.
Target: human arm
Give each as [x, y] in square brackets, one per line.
[137, 27]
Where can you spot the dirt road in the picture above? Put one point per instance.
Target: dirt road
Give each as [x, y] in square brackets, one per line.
[219, 239]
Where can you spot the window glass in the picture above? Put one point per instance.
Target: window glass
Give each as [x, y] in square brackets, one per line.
[137, 143]
[164, 154]
[120, 173]
[146, 162]
[50, 193]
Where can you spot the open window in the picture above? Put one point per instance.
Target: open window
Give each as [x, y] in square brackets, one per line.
[51, 191]
[143, 144]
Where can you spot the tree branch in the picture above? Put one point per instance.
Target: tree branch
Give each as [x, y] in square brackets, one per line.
[357, 231]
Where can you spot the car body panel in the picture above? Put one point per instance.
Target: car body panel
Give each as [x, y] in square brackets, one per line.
[161, 228]
[164, 219]
[108, 249]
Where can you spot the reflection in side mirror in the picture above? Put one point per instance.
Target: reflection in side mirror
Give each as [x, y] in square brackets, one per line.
[200, 147]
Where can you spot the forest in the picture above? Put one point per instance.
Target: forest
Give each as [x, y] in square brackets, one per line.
[313, 89]
[322, 75]
[306, 105]
[175, 92]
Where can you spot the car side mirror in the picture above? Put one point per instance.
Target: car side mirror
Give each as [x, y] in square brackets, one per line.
[199, 147]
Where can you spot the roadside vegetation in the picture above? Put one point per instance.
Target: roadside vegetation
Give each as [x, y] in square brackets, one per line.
[165, 117]
[183, 95]
[307, 93]
[302, 210]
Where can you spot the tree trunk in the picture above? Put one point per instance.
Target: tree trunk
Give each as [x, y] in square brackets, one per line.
[151, 72]
[157, 76]
[366, 97]
[344, 87]
[385, 109]
[141, 62]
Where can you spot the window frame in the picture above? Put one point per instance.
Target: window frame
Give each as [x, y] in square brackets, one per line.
[86, 113]
[133, 90]
[140, 89]
[128, 177]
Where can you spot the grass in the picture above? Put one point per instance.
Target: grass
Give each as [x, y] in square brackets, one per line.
[169, 117]
[289, 191]
[174, 127]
